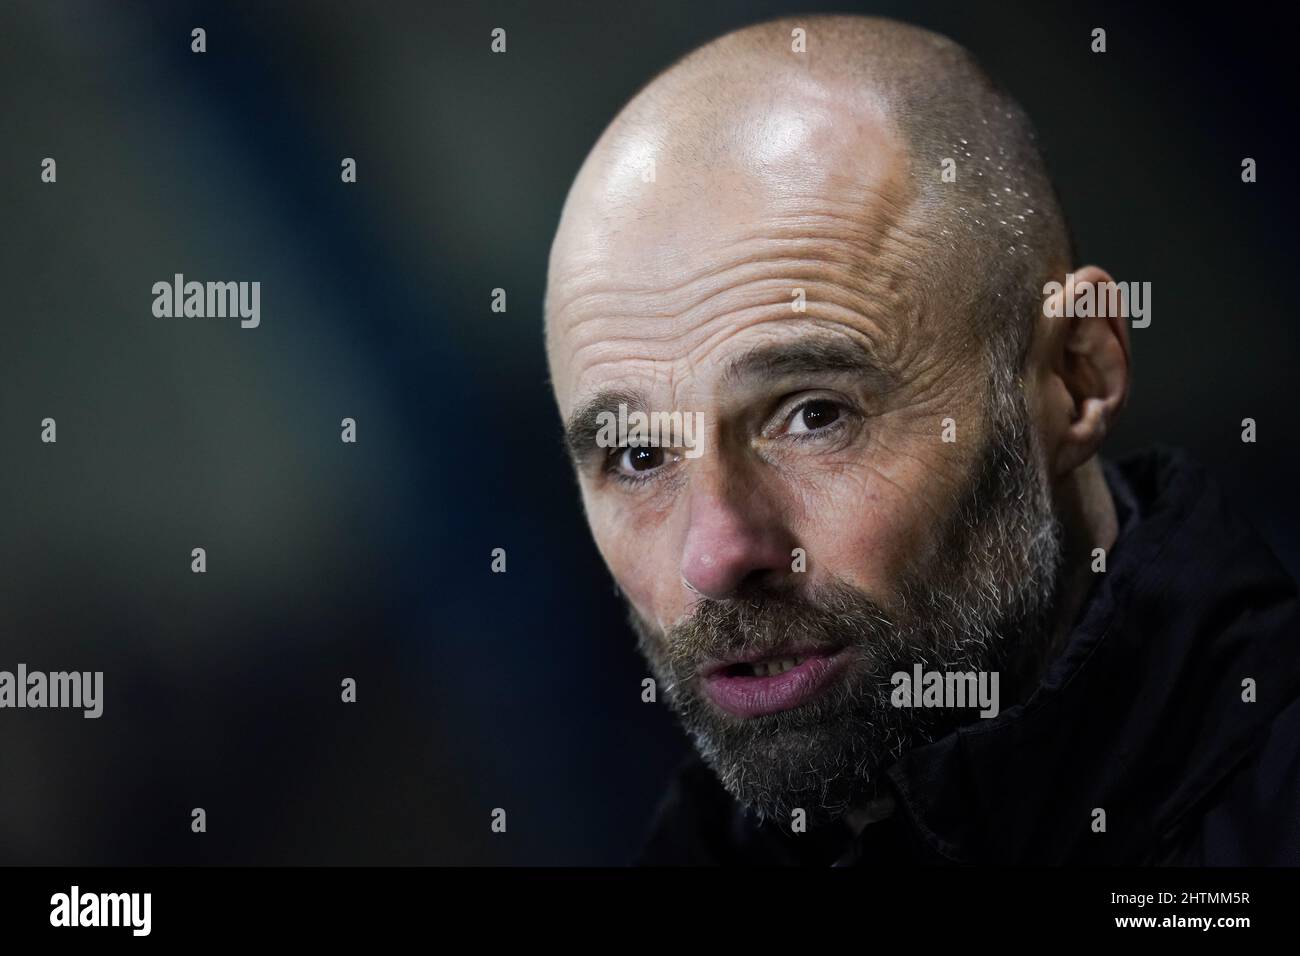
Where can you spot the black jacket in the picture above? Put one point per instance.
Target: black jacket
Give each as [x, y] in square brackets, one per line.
[1141, 715]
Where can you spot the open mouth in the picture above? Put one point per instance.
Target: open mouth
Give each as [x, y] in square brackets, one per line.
[765, 668]
[772, 684]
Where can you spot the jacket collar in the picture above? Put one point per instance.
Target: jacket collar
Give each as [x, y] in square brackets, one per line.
[1142, 712]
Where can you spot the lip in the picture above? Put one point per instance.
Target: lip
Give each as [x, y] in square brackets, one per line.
[753, 696]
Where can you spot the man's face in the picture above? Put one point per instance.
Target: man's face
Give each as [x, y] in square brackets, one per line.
[864, 500]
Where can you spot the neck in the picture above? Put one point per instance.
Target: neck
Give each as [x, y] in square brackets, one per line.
[1088, 521]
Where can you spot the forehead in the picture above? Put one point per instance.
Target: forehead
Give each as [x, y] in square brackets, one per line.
[668, 251]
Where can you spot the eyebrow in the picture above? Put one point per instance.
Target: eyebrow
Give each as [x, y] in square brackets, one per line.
[807, 355]
[584, 425]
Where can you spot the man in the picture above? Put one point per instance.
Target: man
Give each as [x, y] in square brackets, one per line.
[898, 601]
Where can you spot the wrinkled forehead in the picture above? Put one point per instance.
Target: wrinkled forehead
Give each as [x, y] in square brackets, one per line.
[669, 235]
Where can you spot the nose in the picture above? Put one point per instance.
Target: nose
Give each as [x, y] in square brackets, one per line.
[736, 538]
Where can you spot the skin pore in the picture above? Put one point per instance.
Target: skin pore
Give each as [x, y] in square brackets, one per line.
[739, 176]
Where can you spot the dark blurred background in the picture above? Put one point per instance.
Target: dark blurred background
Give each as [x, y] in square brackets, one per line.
[325, 560]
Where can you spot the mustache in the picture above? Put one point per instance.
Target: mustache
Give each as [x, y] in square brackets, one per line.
[830, 617]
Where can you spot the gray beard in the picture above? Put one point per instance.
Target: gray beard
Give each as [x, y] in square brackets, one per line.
[981, 601]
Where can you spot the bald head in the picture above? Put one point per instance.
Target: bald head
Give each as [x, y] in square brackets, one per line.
[884, 121]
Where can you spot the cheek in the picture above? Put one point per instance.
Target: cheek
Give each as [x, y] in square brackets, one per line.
[863, 525]
[637, 548]
[861, 540]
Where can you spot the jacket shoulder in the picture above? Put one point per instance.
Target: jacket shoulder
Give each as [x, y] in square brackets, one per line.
[1254, 819]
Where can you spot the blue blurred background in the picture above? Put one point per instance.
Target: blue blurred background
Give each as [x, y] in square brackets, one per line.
[371, 561]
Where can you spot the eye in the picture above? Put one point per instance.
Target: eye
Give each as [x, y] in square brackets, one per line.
[638, 460]
[642, 459]
[813, 416]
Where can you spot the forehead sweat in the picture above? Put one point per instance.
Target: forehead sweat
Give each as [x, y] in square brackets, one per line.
[818, 250]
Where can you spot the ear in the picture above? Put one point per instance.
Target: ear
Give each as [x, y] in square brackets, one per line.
[1081, 368]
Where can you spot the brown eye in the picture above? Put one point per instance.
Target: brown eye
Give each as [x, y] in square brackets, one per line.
[814, 415]
[641, 459]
